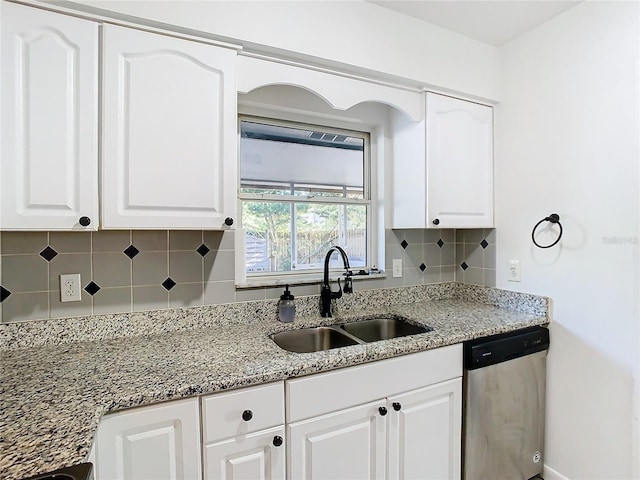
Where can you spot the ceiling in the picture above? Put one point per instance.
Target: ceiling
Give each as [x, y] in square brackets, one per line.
[492, 22]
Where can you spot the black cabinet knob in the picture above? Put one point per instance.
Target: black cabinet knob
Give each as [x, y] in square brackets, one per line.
[84, 221]
[436, 221]
[247, 415]
[396, 406]
[277, 441]
[383, 411]
[228, 221]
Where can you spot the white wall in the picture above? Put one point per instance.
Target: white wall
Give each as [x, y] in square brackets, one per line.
[568, 142]
[357, 34]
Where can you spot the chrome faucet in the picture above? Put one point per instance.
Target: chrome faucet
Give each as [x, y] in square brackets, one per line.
[326, 294]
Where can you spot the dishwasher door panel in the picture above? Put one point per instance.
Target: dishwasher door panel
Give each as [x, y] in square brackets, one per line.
[504, 419]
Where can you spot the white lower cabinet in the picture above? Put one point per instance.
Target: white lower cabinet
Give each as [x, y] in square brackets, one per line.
[415, 435]
[392, 419]
[157, 442]
[346, 444]
[424, 432]
[256, 456]
[243, 434]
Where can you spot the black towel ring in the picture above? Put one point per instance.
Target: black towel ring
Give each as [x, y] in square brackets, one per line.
[553, 218]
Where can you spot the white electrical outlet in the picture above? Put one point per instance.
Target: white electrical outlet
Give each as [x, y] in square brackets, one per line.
[514, 271]
[397, 267]
[70, 287]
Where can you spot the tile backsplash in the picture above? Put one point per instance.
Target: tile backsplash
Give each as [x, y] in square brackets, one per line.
[434, 256]
[129, 271]
[476, 256]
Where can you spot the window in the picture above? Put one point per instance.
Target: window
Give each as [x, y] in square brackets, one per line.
[302, 189]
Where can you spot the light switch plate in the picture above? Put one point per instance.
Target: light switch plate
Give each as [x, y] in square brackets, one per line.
[397, 267]
[514, 274]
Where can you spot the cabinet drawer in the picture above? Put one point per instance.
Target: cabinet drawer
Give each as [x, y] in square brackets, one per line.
[222, 413]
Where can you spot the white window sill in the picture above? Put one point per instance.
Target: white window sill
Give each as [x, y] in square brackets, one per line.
[302, 279]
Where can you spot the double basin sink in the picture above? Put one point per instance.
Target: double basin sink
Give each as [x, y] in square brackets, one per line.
[318, 339]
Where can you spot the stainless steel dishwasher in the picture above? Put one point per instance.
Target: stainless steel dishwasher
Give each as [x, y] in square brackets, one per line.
[504, 405]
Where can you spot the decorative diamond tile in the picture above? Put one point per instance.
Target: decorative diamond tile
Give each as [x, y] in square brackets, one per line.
[131, 251]
[404, 244]
[4, 293]
[168, 283]
[48, 253]
[440, 243]
[92, 288]
[423, 267]
[203, 250]
[484, 243]
[464, 265]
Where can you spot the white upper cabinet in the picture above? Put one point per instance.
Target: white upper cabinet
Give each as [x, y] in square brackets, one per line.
[49, 134]
[443, 167]
[169, 125]
[459, 163]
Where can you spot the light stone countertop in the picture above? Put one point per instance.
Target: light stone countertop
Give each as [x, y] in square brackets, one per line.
[52, 396]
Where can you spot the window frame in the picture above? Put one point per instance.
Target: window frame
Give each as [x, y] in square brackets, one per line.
[334, 125]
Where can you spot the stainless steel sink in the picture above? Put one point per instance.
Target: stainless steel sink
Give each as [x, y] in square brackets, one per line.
[318, 339]
[383, 328]
[312, 339]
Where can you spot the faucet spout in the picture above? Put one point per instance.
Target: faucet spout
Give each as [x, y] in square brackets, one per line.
[326, 294]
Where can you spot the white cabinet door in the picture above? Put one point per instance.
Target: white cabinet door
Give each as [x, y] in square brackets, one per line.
[257, 456]
[159, 442]
[348, 444]
[459, 163]
[49, 99]
[169, 125]
[425, 433]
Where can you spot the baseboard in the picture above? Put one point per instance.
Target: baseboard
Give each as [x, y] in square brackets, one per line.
[551, 474]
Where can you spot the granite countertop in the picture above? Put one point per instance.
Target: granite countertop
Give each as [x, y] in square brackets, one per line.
[53, 396]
